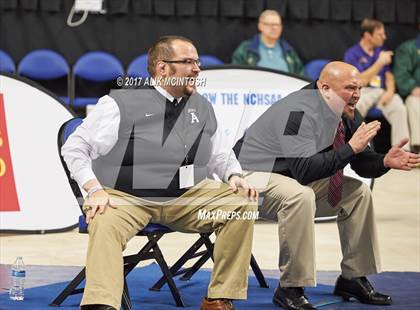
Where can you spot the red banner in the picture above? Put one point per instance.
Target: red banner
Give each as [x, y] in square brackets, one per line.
[8, 195]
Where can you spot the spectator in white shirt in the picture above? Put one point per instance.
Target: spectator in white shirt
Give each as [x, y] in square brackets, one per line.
[143, 143]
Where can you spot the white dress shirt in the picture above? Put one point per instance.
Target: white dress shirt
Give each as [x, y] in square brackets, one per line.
[98, 134]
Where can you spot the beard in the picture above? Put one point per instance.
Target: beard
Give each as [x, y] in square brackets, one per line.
[348, 113]
[187, 88]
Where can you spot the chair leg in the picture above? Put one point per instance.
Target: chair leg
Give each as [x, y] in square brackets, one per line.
[168, 275]
[168, 272]
[126, 301]
[209, 245]
[68, 290]
[198, 264]
[206, 238]
[179, 263]
[258, 273]
[130, 264]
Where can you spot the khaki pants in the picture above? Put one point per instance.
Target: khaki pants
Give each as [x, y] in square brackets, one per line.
[413, 109]
[293, 206]
[394, 112]
[109, 233]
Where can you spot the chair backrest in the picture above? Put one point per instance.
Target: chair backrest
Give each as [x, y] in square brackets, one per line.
[209, 60]
[6, 63]
[138, 67]
[94, 74]
[43, 64]
[98, 66]
[64, 132]
[314, 68]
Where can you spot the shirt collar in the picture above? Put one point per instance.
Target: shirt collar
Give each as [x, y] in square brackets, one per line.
[164, 93]
[264, 46]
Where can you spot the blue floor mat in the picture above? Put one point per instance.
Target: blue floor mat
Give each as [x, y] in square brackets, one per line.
[405, 289]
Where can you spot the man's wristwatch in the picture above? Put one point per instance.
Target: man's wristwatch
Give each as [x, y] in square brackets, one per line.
[94, 189]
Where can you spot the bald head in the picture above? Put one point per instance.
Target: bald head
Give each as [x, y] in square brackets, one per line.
[337, 70]
[266, 13]
[340, 84]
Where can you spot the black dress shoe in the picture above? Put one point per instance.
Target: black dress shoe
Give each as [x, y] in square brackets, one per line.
[361, 289]
[97, 307]
[291, 298]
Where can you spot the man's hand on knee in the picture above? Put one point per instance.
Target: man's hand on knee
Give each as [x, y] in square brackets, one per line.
[236, 182]
[97, 203]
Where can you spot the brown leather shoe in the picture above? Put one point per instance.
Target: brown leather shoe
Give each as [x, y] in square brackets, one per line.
[217, 304]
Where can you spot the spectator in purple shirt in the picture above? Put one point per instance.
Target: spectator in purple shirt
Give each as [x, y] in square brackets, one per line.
[378, 82]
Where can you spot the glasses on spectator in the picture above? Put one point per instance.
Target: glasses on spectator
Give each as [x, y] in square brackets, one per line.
[271, 24]
[188, 61]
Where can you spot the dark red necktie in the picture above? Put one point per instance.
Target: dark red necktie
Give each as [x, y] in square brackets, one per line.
[335, 188]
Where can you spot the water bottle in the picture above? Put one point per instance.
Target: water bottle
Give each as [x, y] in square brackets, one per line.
[18, 280]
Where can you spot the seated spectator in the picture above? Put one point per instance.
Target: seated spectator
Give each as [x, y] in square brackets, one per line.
[407, 77]
[374, 62]
[267, 49]
[128, 188]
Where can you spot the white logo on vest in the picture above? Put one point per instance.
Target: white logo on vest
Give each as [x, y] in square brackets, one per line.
[194, 118]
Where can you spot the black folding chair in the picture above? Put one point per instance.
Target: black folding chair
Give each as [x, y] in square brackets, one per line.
[150, 251]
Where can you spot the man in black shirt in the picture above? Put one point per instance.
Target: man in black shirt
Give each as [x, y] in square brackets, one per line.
[307, 139]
